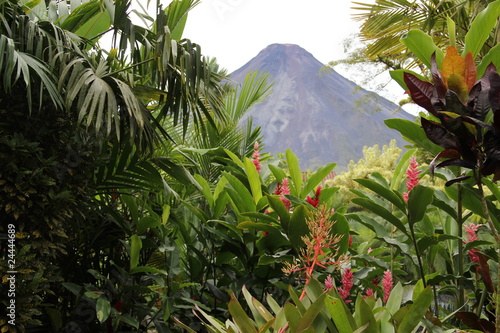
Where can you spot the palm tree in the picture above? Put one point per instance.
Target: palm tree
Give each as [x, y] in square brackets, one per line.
[385, 22]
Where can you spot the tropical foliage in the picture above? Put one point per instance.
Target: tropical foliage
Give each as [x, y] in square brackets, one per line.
[135, 197]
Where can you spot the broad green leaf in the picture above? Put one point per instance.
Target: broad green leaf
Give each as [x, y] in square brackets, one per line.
[253, 179]
[214, 322]
[298, 226]
[234, 158]
[372, 224]
[413, 133]
[450, 24]
[103, 309]
[401, 168]
[384, 192]
[416, 311]
[316, 178]
[394, 301]
[481, 28]
[135, 249]
[422, 45]
[382, 212]
[420, 197]
[241, 197]
[340, 314]
[293, 316]
[295, 173]
[239, 315]
[278, 173]
[311, 313]
[255, 313]
[205, 190]
[295, 298]
[147, 222]
[341, 228]
[398, 76]
[492, 57]
[364, 316]
[277, 205]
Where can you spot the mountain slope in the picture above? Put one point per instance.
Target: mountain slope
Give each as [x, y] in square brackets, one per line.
[320, 115]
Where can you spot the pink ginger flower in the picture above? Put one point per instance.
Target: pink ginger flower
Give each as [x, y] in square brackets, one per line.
[349, 243]
[387, 284]
[347, 283]
[256, 156]
[369, 292]
[412, 178]
[314, 201]
[471, 232]
[283, 189]
[329, 283]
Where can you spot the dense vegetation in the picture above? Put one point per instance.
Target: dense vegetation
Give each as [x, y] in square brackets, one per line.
[133, 199]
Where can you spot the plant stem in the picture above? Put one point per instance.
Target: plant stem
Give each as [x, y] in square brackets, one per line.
[496, 235]
[417, 252]
[461, 297]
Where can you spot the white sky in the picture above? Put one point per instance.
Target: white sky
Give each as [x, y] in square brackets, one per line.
[234, 31]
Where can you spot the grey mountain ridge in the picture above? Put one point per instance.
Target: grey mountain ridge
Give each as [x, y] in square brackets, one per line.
[320, 115]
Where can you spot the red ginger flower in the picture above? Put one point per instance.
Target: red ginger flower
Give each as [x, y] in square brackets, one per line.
[369, 292]
[283, 189]
[345, 290]
[256, 156]
[387, 284]
[314, 202]
[412, 179]
[471, 231]
[329, 282]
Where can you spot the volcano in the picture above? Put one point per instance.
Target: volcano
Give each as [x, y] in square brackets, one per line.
[317, 113]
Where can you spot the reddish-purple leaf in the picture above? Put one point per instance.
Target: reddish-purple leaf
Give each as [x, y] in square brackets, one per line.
[439, 135]
[421, 92]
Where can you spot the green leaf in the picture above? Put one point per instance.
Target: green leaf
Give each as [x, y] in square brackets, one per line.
[253, 179]
[239, 315]
[398, 76]
[481, 28]
[74, 288]
[293, 316]
[382, 212]
[420, 197]
[422, 45]
[364, 316]
[395, 298]
[103, 309]
[242, 198]
[416, 311]
[135, 249]
[413, 132]
[145, 223]
[401, 168]
[279, 207]
[492, 57]
[298, 226]
[311, 313]
[386, 193]
[341, 228]
[451, 31]
[316, 178]
[205, 190]
[295, 173]
[340, 314]
[278, 173]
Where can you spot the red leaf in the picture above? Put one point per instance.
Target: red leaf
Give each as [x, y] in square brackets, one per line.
[420, 91]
